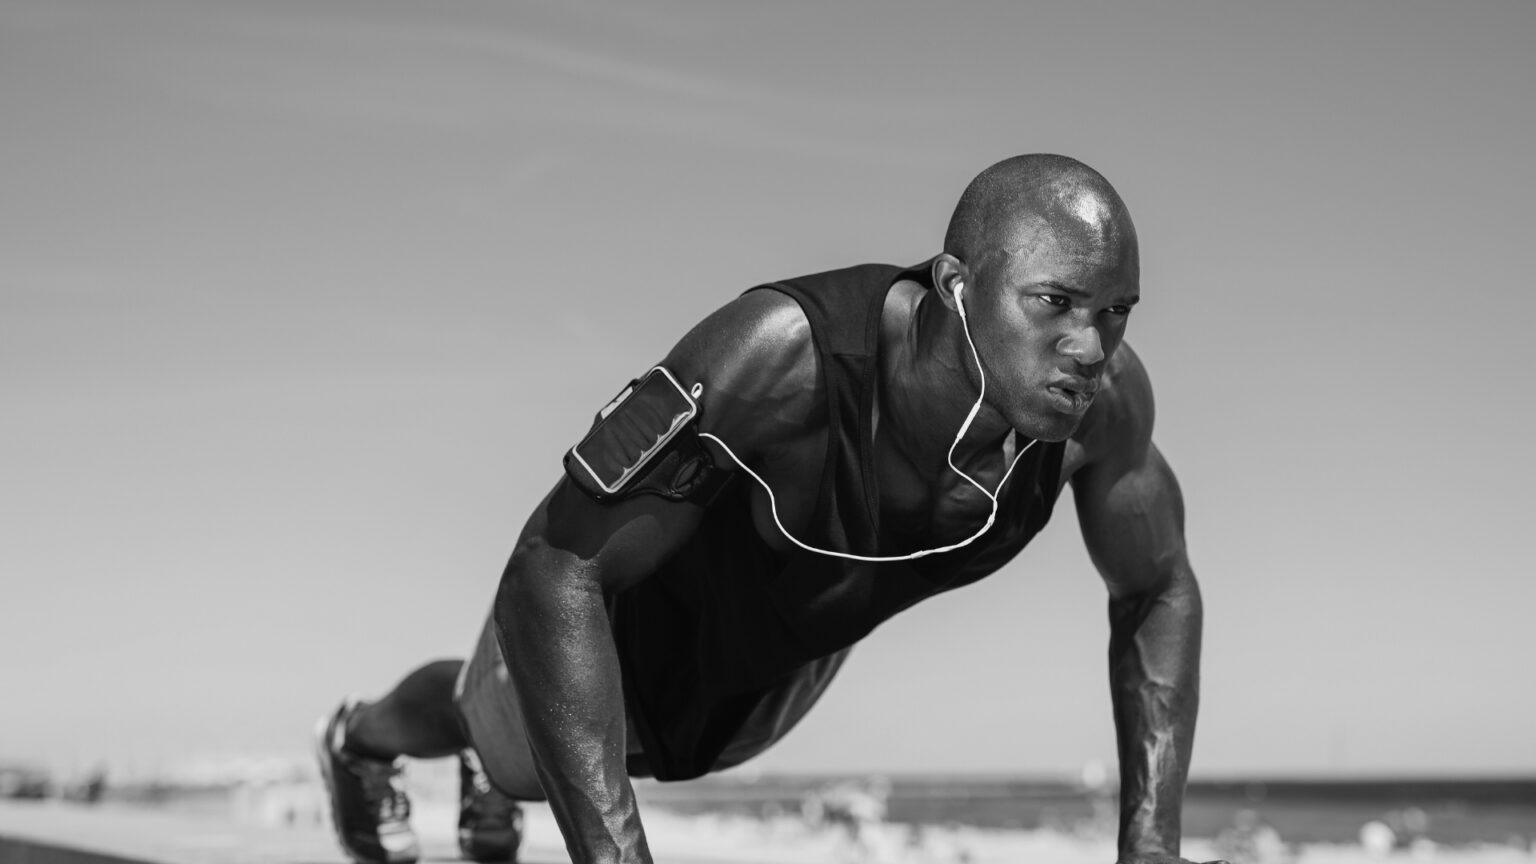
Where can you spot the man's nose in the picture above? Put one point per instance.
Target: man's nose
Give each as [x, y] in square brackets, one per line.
[1083, 344]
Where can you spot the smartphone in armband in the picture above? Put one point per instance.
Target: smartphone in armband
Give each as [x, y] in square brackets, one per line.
[630, 432]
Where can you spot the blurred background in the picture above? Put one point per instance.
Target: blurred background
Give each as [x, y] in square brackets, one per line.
[301, 303]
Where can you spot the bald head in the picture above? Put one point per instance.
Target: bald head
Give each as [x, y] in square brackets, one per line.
[1026, 200]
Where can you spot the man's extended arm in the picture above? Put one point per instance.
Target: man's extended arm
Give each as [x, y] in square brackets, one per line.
[754, 360]
[1132, 517]
[552, 620]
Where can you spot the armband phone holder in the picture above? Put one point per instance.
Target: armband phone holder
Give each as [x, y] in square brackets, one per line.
[646, 441]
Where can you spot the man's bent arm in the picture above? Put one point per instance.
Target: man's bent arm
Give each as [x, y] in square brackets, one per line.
[1131, 513]
[1132, 518]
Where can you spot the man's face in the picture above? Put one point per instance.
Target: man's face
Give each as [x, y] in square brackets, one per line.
[1047, 309]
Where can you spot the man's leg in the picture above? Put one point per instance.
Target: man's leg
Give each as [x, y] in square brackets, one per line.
[369, 807]
[361, 743]
[418, 718]
[491, 708]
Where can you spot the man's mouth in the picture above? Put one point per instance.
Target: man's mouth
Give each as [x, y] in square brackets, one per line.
[1073, 396]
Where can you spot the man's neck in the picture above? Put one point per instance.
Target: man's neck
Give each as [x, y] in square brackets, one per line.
[928, 383]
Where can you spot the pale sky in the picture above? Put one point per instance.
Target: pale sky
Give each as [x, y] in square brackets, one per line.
[300, 304]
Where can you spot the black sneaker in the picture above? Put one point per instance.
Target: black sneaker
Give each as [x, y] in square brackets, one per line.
[490, 823]
[370, 811]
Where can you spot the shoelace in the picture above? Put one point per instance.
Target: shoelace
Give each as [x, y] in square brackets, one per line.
[491, 808]
[480, 783]
[378, 779]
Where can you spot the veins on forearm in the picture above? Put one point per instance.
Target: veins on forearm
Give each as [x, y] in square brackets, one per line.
[1154, 670]
[558, 647]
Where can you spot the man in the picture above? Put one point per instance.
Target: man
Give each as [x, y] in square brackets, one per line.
[863, 439]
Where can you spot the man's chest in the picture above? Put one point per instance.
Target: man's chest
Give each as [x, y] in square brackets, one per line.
[912, 511]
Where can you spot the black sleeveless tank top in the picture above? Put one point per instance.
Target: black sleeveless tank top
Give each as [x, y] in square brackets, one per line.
[726, 620]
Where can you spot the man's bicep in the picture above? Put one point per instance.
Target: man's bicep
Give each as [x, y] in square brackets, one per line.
[1132, 519]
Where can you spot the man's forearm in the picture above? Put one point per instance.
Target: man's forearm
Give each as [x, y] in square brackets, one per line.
[554, 632]
[1154, 662]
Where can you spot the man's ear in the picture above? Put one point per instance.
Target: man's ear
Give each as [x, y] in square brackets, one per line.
[949, 275]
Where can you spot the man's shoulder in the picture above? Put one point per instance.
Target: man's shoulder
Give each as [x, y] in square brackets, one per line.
[756, 364]
[731, 348]
[1120, 421]
[871, 271]
[756, 357]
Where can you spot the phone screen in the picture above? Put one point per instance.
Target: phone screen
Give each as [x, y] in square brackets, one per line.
[633, 427]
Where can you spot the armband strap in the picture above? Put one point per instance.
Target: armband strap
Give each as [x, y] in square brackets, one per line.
[680, 469]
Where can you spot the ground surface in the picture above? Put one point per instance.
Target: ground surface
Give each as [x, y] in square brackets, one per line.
[57, 833]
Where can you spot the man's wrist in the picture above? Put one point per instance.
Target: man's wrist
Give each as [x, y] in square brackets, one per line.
[1149, 853]
[1147, 842]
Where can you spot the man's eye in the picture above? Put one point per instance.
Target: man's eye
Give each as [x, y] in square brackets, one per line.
[1056, 300]
[1122, 310]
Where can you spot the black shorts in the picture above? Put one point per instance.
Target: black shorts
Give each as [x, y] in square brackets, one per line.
[490, 706]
